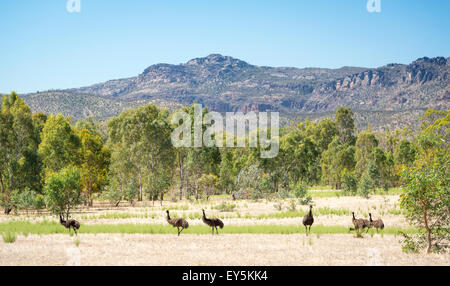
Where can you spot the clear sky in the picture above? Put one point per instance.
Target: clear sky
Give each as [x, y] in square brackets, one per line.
[43, 46]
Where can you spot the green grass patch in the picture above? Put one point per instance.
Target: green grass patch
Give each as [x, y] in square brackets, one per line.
[338, 193]
[301, 213]
[9, 237]
[325, 194]
[42, 228]
[225, 207]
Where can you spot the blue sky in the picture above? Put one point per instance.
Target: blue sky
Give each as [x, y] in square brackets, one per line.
[43, 46]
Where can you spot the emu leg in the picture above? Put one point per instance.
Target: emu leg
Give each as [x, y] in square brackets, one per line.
[181, 230]
[217, 230]
[306, 230]
[178, 231]
[310, 229]
[212, 228]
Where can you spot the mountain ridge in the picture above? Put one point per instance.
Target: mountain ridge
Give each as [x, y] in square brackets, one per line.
[225, 84]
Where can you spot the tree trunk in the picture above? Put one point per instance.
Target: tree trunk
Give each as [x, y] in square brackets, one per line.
[181, 178]
[140, 186]
[188, 187]
[427, 227]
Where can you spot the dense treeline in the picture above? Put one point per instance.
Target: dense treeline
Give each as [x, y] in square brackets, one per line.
[132, 158]
[47, 161]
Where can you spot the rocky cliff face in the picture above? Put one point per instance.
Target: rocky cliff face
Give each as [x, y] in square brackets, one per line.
[227, 84]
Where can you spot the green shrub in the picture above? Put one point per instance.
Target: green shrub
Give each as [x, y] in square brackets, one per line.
[306, 201]
[9, 237]
[225, 207]
[283, 194]
[366, 185]
[300, 189]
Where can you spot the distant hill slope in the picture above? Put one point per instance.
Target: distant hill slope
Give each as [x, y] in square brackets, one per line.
[227, 84]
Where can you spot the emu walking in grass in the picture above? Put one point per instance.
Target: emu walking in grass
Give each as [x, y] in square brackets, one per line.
[212, 222]
[359, 223]
[378, 224]
[69, 223]
[177, 222]
[308, 220]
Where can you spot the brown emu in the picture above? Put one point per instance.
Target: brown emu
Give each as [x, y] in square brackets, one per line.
[308, 220]
[212, 222]
[378, 224]
[366, 224]
[70, 223]
[177, 222]
[359, 223]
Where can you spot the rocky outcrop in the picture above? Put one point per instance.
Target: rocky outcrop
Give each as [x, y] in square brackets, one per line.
[227, 84]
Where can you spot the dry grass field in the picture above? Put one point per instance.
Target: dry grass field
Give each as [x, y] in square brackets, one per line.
[224, 249]
[163, 247]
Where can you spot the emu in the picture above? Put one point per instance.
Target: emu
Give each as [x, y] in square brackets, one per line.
[308, 220]
[366, 224]
[378, 224]
[177, 222]
[359, 223]
[212, 222]
[70, 223]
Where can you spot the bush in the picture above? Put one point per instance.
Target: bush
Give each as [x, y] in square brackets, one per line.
[225, 207]
[112, 195]
[306, 201]
[365, 185]
[62, 190]
[300, 189]
[39, 202]
[9, 237]
[283, 194]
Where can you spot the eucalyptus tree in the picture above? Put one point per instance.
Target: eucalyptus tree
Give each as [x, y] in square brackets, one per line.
[94, 163]
[19, 164]
[143, 134]
[60, 145]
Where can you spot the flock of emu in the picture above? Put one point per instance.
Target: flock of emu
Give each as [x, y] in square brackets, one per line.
[359, 224]
[181, 223]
